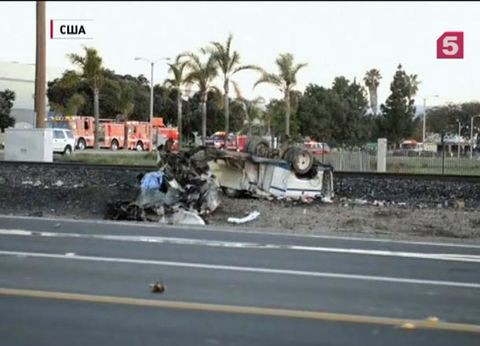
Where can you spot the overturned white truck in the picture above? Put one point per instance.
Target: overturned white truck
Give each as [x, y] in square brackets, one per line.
[292, 173]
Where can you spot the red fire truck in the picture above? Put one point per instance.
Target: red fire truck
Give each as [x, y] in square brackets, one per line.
[112, 133]
[162, 133]
[237, 143]
[138, 135]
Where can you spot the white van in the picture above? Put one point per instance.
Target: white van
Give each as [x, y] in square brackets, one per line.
[63, 141]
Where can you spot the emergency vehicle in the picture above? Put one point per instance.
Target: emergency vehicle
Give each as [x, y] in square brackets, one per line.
[112, 133]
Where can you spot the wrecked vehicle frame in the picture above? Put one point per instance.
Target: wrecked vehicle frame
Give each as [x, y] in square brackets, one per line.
[239, 173]
[183, 188]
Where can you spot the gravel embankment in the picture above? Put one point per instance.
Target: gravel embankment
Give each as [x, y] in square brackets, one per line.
[411, 207]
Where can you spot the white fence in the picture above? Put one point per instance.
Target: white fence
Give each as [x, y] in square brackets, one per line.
[353, 161]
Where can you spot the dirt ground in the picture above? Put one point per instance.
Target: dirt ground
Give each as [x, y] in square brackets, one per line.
[416, 207]
[343, 217]
[349, 218]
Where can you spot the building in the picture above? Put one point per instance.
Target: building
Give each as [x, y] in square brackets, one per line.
[20, 78]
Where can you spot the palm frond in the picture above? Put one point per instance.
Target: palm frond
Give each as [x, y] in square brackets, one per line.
[269, 78]
[228, 44]
[247, 67]
[238, 91]
[297, 68]
[285, 65]
[232, 61]
[169, 83]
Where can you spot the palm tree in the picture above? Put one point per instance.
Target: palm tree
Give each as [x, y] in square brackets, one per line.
[413, 84]
[92, 72]
[252, 111]
[72, 105]
[202, 73]
[178, 70]
[372, 81]
[285, 81]
[228, 61]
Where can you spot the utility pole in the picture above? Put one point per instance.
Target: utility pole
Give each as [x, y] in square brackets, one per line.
[459, 135]
[424, 120]
[151, 97]
[40, 66]
[425, 117]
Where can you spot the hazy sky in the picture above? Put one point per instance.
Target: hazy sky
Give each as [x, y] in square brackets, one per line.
[335, 38]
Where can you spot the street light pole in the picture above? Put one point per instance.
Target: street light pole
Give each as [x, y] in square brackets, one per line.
[152, 64]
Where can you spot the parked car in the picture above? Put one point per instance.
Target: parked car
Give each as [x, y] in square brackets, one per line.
[63, 141]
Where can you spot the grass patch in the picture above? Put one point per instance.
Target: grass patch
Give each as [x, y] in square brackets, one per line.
[433, 165]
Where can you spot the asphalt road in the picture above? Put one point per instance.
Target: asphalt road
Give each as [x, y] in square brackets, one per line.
[78, 283]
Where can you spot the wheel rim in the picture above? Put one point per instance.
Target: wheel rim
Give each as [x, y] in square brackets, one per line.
[261, 150]
[114, 145]
[81, 145]
[139, 147]
[303, 161]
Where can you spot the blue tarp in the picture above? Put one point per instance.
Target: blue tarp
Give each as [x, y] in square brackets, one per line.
[152, 181]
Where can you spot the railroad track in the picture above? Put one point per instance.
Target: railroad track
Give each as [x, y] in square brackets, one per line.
[340, 174]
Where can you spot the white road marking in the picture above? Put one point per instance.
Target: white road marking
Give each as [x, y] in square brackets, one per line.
[219, 229]
[242, 269]
[249, 245]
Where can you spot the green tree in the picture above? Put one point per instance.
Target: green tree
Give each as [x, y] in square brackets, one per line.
[7, 97]
[193, 113]
[110, 95]
[65, 95]
[125, 107]
[178, 80]
[228, 61]
[314, 113]
[285, 81]
[372, 81]
[444, 118]
[336, 115]
[399, 110]
[250, 110]
[91, 71]
[347, 106]
[74, 103]
[165, 104]
[274, 117]
[202, 73]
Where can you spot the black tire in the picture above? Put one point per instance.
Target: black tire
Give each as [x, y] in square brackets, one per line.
[114, 146]
[139, 146]
[258, 147]
[67, 151]
[300, 159]
[81, 145]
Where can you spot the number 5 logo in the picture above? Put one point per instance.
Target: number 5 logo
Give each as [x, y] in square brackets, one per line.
[450, 45]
